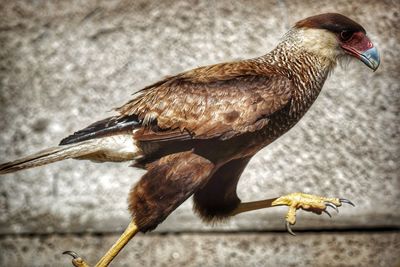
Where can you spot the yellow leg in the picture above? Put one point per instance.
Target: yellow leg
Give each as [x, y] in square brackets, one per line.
[294, 201]
[128, 234]
[254, 205]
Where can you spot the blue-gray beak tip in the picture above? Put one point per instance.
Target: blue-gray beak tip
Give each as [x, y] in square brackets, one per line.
[371, 58]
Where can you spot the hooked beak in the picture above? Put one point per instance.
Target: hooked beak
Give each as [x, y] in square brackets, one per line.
[362, 48]
[371, 58]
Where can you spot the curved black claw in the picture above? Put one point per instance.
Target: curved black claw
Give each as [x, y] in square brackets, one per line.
[71, 253]
[343, 200]
[289, 229]
[327, 213]
[332, 206]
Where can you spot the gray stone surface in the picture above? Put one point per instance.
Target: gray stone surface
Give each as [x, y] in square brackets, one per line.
[212, 250]
[65, 64]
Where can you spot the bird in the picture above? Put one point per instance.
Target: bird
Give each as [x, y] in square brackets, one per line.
[195, 132]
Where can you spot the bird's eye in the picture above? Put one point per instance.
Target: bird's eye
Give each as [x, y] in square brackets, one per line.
[346, 35]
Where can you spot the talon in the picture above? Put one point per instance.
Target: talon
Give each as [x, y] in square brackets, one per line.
[311, 203]
[289, 229]
[327, 213]
[77, 261]
[343, 200]
[332, 206]
[71, 253]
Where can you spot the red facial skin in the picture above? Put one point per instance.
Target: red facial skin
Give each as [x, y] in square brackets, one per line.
[357, 44]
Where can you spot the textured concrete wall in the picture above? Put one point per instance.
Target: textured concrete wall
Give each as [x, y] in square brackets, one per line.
[65, 64]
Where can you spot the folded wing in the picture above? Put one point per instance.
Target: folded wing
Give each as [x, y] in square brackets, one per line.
[221, 101]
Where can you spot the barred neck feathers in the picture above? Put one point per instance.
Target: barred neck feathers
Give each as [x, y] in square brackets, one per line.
[306, 56]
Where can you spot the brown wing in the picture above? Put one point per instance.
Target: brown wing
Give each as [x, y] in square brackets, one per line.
[222, 100]
[108, 126]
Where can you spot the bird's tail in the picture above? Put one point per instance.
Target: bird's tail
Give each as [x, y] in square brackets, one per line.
[101, 149]
[47, 156]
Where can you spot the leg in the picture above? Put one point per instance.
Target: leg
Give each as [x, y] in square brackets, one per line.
[168, 182]
[295, 201]
[128, 234]
[216, 200]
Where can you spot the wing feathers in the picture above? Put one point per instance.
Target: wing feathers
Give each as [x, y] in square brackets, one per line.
[223, 100]
[102, 128]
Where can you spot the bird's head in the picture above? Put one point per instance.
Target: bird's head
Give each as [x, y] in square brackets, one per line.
[334, 37]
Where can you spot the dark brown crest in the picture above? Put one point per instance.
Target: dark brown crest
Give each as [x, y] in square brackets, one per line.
[333, 22]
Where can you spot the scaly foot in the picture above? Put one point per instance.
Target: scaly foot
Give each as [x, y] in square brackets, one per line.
[307, 202]
[76, 261]
[127, 235]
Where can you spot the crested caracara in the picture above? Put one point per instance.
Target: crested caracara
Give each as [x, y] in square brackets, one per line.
[195, 132]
